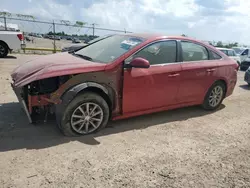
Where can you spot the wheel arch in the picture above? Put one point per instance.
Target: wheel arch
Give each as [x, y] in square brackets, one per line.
[102, 92]
[223, 81]
[225, 84]
[105, 92]
[1, 41]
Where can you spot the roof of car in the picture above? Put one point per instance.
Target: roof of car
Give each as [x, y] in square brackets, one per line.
[158, 36]
[224, 48]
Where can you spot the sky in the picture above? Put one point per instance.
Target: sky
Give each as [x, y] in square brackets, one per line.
[224, 20]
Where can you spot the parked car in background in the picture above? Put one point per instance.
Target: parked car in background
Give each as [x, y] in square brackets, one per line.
[27, 38]
[39, 36]
[10, 40]
[46, 36]
[57, 37]
[79, 46]
[238, 50]
[54, 37]
[245, 64]
[231, 53]
[123, 76]
[244, 54]
[76, 40]
[247, 76]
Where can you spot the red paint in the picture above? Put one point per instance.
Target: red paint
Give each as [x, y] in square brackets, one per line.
[150, 111]
[150, 88]
[196, 78]
[53, 65]
[139, 63]
[144, 90]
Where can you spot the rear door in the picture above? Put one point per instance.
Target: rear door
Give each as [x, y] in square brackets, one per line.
[198, 72]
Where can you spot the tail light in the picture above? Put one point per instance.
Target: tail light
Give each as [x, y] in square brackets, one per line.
[20, 36]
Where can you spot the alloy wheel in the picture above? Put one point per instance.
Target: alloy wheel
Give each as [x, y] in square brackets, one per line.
[86, 118]
[216, 96]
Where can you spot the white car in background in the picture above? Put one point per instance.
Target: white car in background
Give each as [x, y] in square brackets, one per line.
[231, 53]
[245, 54]
[238, 50]
[10, 40]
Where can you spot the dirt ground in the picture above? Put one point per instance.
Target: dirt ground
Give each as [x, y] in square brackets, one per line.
[187, 147]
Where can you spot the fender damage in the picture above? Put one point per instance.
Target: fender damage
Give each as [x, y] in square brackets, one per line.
[40, 85]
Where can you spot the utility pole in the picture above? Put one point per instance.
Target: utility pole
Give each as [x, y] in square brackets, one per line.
[54, 36]
[5, 23]
[93, 27]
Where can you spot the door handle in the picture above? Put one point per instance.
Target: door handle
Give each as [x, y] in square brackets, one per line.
[174, 75]
[210, 70]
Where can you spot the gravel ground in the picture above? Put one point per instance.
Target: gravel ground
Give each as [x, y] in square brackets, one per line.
[181, 148]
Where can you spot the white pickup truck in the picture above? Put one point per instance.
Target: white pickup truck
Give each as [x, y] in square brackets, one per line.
[10, 40]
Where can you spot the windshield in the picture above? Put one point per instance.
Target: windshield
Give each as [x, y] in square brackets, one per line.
[110, 48]
[98, 38]
[238, 50]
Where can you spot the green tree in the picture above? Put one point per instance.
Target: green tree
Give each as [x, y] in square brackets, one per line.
[219, 44]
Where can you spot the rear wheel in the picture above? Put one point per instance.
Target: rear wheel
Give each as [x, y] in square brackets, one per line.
[3, 50]
[85, 114]
[214, 96]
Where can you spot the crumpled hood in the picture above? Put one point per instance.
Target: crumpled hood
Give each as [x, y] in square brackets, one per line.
[51, 66]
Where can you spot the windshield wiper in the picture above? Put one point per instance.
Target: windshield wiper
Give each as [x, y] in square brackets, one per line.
[82, 56]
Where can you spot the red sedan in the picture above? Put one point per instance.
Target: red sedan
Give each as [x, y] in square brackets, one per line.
[121, 76]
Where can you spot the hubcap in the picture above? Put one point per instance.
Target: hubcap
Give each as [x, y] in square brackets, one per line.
[2, 50]
[216, 96]
[86, 118]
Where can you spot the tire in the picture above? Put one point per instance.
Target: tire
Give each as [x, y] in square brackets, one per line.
[207, 105]
[4, 50]
[66, 121]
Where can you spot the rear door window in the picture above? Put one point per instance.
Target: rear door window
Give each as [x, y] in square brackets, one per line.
[193, 52]
[214, 56]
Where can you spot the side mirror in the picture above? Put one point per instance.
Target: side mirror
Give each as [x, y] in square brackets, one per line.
[139, 63]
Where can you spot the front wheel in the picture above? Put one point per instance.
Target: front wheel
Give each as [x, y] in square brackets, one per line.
[85, 114]
[214, 96]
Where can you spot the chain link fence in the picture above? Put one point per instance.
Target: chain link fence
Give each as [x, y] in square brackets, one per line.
[52, 36]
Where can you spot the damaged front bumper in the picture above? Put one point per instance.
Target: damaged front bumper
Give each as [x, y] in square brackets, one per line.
[18, 92]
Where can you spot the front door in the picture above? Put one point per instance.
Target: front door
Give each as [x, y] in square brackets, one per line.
[157, 86]
[199, 68]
